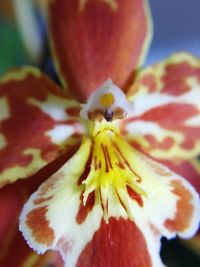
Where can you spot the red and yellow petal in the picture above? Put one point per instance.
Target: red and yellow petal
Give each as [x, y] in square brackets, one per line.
[37, 123]
[91, 197]
[13, 249]
[93, 40]
[54, 217]
[165, 122]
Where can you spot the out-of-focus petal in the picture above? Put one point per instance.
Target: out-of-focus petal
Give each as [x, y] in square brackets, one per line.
[93, 40]
[37, 123]
[165, 122]
[155, 203]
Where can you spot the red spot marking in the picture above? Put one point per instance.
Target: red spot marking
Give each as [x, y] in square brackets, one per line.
[184, 208]
[38, 224]
[139, 179]
[73, 111]
[41, 200]
[172, 117]
[175, 77]
[165, 144]
[118, 243]
[149, 80]
[135, 196]
[27, 125]
[87, 168]
[120, 165]
[84, 210]
[77, 136]
[188, 144]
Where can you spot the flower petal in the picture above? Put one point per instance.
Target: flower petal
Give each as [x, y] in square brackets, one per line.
[12, 198]
[56, 217]
[37, 123]
[189, 169]
[165, 122]
[95, 40]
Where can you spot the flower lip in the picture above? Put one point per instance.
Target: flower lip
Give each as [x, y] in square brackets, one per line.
[108, 103]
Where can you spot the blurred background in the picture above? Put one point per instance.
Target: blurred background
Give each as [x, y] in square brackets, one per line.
[23, 32]
[176, 28]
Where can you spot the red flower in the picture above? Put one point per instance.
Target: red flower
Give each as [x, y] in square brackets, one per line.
[105, 202]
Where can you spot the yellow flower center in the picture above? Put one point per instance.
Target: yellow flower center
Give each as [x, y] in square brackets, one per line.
[112, 176]
[107, 100]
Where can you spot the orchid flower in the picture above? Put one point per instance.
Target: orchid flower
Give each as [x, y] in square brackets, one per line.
[117, 171]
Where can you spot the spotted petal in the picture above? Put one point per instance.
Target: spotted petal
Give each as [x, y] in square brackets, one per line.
[37, 123]
[13, 249]
[165, 122]
[93, 40]
[87, 206]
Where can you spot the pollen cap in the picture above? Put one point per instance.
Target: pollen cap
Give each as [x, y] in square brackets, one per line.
[107, 102]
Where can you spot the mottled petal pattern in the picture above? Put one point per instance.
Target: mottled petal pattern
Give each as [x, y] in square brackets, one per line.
[76, 207]
[53, 216]
[165, 122]
[12, 198]
[93, 40]
[37, 123]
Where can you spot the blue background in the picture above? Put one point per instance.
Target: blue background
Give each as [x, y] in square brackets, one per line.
[176, 28]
